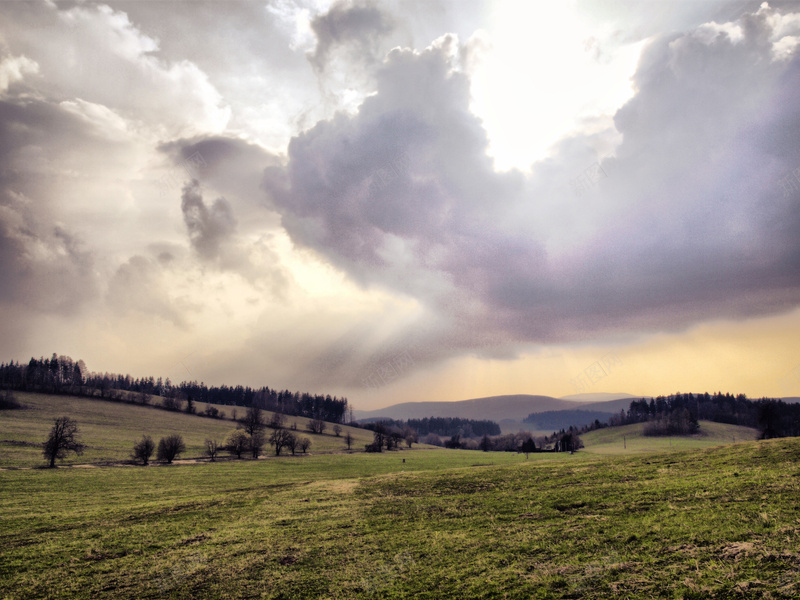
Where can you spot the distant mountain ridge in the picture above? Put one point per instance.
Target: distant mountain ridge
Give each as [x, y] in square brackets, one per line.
[513, 407]
[509, 411]
[600, 397]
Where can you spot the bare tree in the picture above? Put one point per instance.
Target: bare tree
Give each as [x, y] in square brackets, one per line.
[393, 440]
[172, 403]
[143, 449]
[237, 442]
[277, 421]
[348, 439]
[253, 420]
[305, 444]
[337, 430]
[256, 443]
[410, 436]
[63, 438]
[291, 442]
[279, 439]
[316, 426]
[212, 448]
[379, 435]
[527, 447]
[170, 447]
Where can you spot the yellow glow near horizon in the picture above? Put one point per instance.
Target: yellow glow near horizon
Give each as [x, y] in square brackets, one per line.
[758, 357]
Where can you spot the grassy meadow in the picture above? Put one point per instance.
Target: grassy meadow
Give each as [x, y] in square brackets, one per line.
[719, 522]
[109, 429]
[629, 439]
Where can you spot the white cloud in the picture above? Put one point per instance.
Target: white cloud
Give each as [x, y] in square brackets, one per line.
[403, 195]
[400, 222]
[296, 20]
[14, 68]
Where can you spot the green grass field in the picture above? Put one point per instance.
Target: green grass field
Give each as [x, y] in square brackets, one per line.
[718, 522]
[109, 429]
[628, 439]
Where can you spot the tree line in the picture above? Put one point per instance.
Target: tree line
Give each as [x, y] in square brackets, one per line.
[390, 434]
[63, 375]
[556, 419]
[678, 414]
[439, 426]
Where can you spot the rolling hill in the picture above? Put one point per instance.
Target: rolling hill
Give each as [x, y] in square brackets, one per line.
[628, 439]
[509, 409]
[599, 397]
[109, 429]
[516, 406]
[708, 523]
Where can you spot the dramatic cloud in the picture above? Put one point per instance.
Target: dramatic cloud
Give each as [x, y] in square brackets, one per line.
[43, 263]
[684, 221]
[207, 227]
[140, 285]
[323, 194]
[354, 27]
[13, 69]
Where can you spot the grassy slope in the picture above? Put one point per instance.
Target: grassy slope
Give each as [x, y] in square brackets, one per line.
[629, 439]
[714, 523]
[109, 429]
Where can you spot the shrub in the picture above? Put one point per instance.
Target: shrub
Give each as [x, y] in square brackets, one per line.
[256, 443]
[212, 448]
[143, 449]
[237, 442]
[171, 403]
[8, 401]
[277, 421]
[292, 441]
[170, 447]
[279, 439]
[316, 426]
[432, 439]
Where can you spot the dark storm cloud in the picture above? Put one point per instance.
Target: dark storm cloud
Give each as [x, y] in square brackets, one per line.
[43, 269]
[355, 27]
[410, 166]
[219, 233]
[43, 265]
[208, 227]
[231, 165]
[690, 223]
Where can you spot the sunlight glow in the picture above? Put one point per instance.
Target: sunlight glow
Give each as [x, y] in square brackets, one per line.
[547, 73]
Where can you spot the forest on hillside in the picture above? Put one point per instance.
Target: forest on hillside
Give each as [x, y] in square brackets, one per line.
[63, 375]
[679, 414]
[440, 426]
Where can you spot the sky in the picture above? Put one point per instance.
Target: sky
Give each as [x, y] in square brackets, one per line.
[405, 200]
